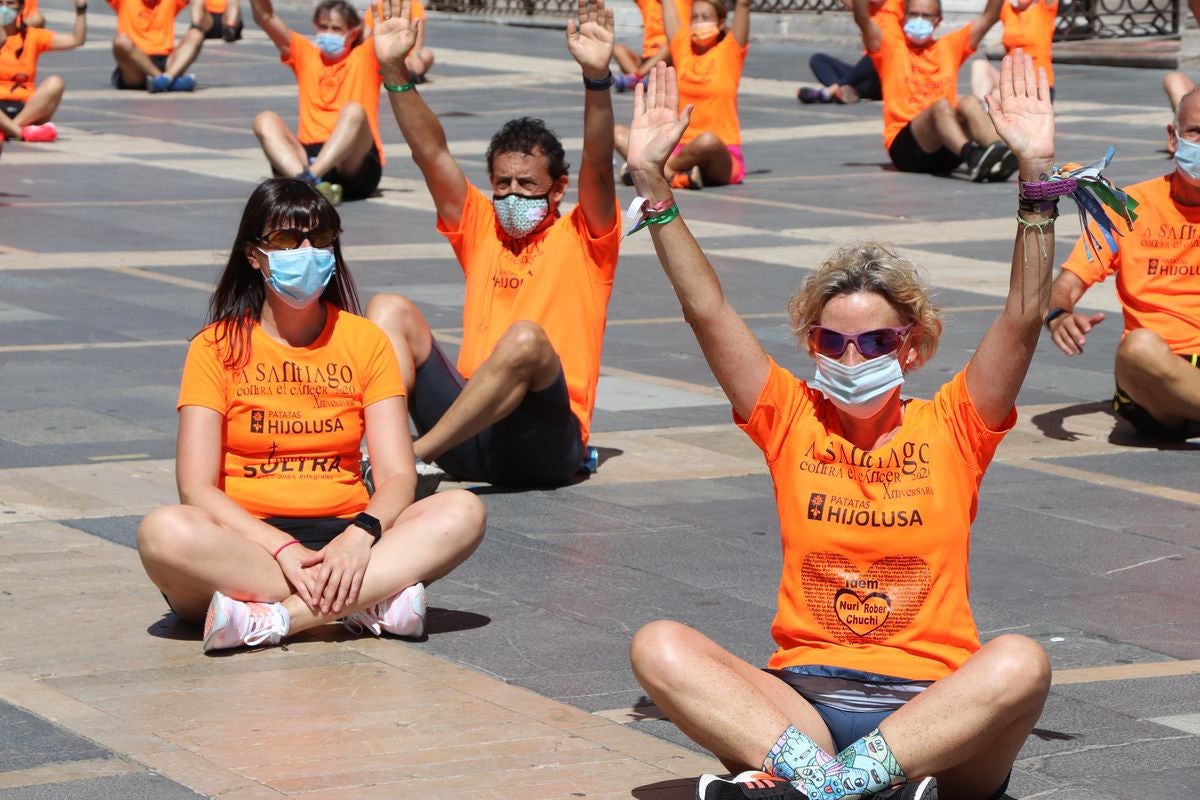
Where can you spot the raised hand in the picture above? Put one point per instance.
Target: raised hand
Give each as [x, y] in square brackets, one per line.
[657, 125]
[590, 40]
[1021, 111]
[395, 33]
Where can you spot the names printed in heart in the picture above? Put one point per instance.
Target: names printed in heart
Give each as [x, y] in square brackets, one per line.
[853, 604]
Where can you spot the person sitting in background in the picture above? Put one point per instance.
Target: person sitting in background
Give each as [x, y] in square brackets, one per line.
[144, 47]
[1028, 26]
[26, 106]
[848, 83]
[226, 20]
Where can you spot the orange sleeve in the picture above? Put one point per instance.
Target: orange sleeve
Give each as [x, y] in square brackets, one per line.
[478, 221]
[381, 378]
[783, 398]
[975, 441]
[205, 379]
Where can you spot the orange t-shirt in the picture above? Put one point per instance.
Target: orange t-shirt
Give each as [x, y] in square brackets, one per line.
[913, 79]
[710, 83]
[294, 415]
[875, 543]
[18, 73]
[561, 279]
[893, 8]
[326, 88]
[151, 27]
[654, 33]
[418, 12]
[29, 8]
[1032, 30]
[216, 6]
[1157, 265]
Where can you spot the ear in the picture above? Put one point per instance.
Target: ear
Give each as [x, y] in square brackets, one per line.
[253, 255]
[1172, 138]
[559, 189]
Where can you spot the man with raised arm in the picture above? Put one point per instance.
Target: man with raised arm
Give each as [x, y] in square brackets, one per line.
[926, 127]
[517, 408]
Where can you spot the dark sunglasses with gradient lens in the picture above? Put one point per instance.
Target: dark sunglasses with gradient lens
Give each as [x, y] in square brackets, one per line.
[291, 238]
[870, 344]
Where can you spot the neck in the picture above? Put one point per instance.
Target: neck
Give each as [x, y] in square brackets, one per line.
[1184, 191]
[295, 327]
[873, 432]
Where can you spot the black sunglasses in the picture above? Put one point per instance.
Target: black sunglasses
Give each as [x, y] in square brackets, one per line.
[871, 344]
[291, 238]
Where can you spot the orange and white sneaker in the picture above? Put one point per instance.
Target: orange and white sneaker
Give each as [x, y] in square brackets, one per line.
[402, 614]
[232, 623]
[752, 785]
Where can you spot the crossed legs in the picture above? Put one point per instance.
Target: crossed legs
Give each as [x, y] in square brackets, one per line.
[1158, 380]
[40, 106]
[346, 149]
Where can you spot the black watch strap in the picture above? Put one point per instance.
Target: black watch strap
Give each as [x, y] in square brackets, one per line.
[370, 525]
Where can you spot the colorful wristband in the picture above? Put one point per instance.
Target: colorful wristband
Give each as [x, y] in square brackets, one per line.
[400, 88]
[1044, 190]
[598, 85]
[283, 546]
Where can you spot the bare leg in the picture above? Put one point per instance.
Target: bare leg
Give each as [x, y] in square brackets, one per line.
[976, 121]
[9, 127]
[627, 60]
[708, 152]
[135, 65]
[937, 127]
[406, 329]
[282, 148]
[1176, 85]
[187, 50]
[42, 103]
[523, 361]
[188, 556]
[419, 62]
[968, 727]
[233, 14]
[727, 706]
[621, 140]
[1157, 379]
[348, 144]
[984, 77]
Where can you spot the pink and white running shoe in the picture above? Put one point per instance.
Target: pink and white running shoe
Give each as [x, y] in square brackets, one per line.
[401, 614]
[232, 623]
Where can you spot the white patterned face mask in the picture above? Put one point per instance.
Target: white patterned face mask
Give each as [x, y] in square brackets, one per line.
[860, 390]
[519, 215]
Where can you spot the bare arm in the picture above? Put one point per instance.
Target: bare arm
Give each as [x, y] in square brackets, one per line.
[872, 36]
[590, 42]
[1021, 111]
[389, 444]
[272, 25]
[741, 22]
[984, 22]
[672, 23]
[78, 35]
[395, 36]
[733, 353]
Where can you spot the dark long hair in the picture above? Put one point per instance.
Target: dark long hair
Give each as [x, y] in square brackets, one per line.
[237, 301]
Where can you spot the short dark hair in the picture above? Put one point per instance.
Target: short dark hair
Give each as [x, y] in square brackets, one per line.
[531, 137]
[237, 301]
[348, 12]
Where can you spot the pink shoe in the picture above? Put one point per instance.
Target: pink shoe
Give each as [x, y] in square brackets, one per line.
[401, 614]
[232, 623]
[45, 132]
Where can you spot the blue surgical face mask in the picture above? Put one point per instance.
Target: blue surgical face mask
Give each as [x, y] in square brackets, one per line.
[331, 44]
[8, 15]
[918, 30]
[860, 390]
[519, 215]
[299, 276]
[1187, 157]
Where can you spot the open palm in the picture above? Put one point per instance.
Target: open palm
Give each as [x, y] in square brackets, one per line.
[658, 124]
[591, 39]
[1021, 111]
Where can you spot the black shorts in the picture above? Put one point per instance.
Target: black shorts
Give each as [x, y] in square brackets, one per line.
[12, 107]
[361, 184]
[1145, 423]
[538, 444]
[118, 80]
[217, 31]
[908, 156]
[312, 532]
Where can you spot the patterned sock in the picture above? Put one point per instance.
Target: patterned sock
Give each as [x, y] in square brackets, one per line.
[865, 767]
[792, 753]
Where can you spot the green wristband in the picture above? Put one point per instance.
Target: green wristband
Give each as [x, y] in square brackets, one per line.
[401, 89]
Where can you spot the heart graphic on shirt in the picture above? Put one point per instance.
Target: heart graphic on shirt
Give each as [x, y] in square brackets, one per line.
[861, 614]
[853, 604]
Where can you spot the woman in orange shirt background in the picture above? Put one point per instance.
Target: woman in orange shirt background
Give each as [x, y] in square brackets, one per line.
[26, 106]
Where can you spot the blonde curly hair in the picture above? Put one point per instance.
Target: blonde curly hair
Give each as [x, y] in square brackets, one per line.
[870, 267]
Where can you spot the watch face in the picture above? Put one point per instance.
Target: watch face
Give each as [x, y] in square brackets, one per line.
[369, 524]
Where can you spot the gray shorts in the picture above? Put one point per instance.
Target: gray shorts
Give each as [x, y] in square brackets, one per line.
[538, 444]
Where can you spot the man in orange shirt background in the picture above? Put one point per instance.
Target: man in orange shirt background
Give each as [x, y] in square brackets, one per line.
[144, 47]
[226, 20]
[517, 407]
[337, 148]
[926, 127]
[1157, 269]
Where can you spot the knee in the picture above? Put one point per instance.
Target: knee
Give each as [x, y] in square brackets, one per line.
[658, 650]
[396, 315]
[466, 517]
[942, 108]
[164, 533]
[265, 121]
[525, 344]
[122, 44]
[354, 113]
[968, 105]
[1020, 670]
[1142, 349]
[708, 140]
[53, 86]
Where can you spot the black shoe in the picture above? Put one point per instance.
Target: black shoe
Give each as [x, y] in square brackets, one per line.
[752, 785]
[982, 162]
[1004, 170]
[925, 789]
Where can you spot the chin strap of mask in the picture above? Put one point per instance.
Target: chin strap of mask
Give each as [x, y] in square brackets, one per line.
[1095, 196]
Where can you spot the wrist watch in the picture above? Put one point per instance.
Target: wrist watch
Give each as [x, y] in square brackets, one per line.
[370, 525]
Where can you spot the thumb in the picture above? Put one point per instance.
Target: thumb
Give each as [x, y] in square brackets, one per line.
[312, 560]
[1097, 318]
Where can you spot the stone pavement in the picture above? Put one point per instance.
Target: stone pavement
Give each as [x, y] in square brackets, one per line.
[109, 241]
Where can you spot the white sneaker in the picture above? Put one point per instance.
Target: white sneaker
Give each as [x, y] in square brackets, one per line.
[401, 614]
[429, 476]
[232, 623]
